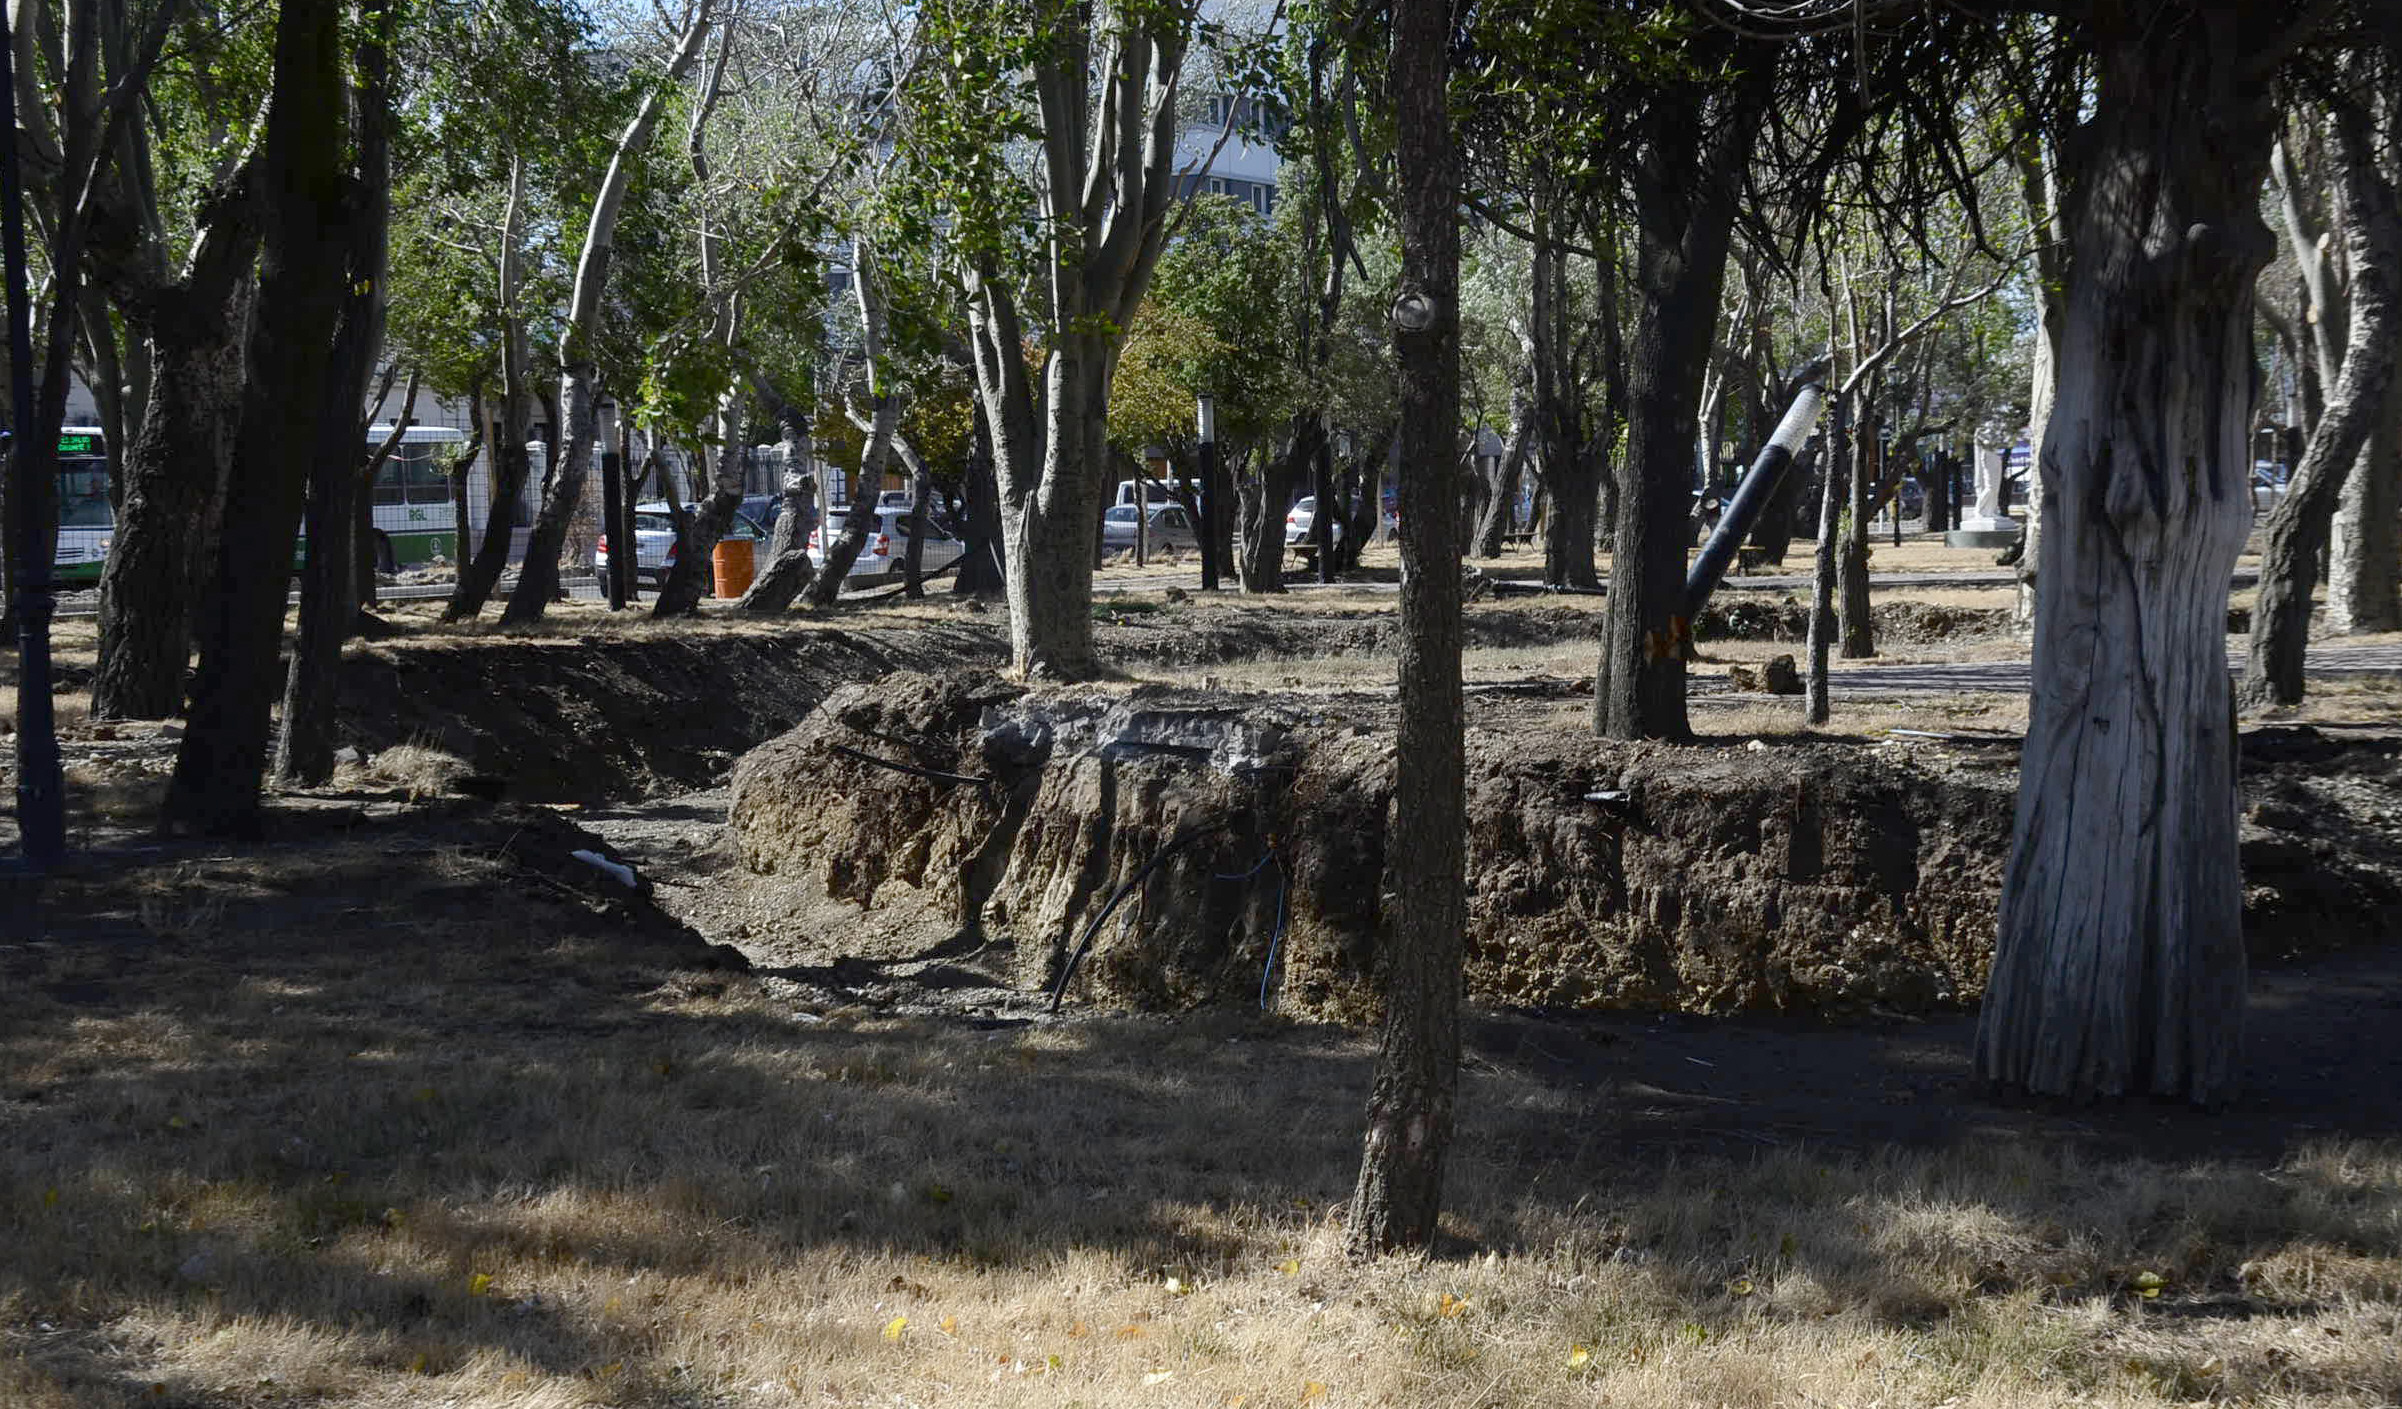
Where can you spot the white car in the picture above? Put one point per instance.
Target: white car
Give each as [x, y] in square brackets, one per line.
[888, 543]
[1171, 527]
[1300, 524]
[656, 544]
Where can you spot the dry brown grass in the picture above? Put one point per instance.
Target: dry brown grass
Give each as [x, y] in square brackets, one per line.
[443, 1143]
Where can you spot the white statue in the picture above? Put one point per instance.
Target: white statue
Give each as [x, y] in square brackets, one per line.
[1988, 516]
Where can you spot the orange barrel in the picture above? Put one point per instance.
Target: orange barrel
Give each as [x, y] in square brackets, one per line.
[733, 566]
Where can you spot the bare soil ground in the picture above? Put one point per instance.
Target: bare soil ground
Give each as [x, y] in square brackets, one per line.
[408, 1106]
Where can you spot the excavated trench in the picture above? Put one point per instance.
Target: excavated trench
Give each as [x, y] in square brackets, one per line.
[901, 808]
[1180, 849]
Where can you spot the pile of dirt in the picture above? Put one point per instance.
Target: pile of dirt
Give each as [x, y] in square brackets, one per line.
[1208, 848]
[1210, 633]
[587, 720]
[1902, 623]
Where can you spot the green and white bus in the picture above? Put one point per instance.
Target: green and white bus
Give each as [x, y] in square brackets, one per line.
[415, 520]
[86, 523]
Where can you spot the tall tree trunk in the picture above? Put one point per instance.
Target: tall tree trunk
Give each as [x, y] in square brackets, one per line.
[1501, 499]
[2364, 587]
[1859, 637]
[174, 484]
[304, 751]
[1259, 558]
[512, 464]
[1558, 436]
[913, 555]
[876, 453]
[1399, 1194]
[223, 759]
[367, 547]
[538, 575]
[2298, 527]
[788, 569]
[1685, 210]
[1817, 706]
[689, 578]
[2039, 178]
[980, 572]
[2119, 965]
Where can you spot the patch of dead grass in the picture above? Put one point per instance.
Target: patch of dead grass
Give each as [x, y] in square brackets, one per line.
[485, 1159]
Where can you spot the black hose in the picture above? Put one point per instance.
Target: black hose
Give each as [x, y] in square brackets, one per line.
[913, 770]
[1084, 945]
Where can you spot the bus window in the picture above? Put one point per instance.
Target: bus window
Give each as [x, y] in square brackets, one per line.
[83, 495]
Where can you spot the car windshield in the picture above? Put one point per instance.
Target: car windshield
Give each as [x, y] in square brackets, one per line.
[653, 523]
[1122, 514]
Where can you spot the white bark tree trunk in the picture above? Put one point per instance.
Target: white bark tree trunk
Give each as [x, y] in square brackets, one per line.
[2119, 966]
[2364, 588]
[538, 577]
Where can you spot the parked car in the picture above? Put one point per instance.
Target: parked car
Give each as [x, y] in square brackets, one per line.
[1171, 527]
[887, 542]
[656, 543]
[1300, 522]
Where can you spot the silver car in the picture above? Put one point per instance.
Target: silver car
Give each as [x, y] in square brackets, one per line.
[656, 544]
[1171, 527]
[887, 543]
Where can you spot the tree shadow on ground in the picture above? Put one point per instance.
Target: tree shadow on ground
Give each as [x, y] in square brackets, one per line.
[335, 1080]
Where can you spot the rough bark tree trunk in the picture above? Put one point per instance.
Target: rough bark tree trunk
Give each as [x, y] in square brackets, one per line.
[2298, 527]
[2119, 963]
[304, 748]
[788, 569]
[980, 573]
[1496, 515]
[2364, 587]
[174, 481]
[1859, 637]
[1685, 210]
[222, 763]
[1399, 1193]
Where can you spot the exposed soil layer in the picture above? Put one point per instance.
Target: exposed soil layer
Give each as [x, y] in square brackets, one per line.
[600, 718]
[1210, 848]
[604, 718]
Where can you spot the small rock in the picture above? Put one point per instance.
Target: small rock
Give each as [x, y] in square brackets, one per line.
[1742, 677]
[348, 754]
[1781, 677]
[1178, 594]
[1756, 746]
[974, 606]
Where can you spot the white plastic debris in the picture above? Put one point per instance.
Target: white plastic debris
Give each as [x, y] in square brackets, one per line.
[624, 875]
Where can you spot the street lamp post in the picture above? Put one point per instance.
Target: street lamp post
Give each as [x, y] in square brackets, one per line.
[604, 413]
[1205, 418]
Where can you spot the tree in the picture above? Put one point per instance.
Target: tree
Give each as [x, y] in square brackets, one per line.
[2362, 140]
[2119, 965]
[1410, 1105]
[184, 311]
[538, 577]
[1696, 136]
[223, 758]
[1094, 90]
[304, 750]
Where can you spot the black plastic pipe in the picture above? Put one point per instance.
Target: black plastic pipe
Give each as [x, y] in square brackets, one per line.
[1752, 495]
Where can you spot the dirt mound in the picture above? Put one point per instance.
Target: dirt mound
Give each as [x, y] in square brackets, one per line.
[1198, 633]
[593, 719]
[1895, 623]
[1216, 849]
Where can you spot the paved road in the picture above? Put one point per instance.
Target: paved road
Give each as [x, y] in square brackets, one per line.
[1519, 590]
[2326, 660]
